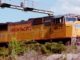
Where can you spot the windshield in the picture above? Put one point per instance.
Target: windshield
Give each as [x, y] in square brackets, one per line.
[70, 19]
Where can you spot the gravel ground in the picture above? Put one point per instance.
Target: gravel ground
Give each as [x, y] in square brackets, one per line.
[37, 56]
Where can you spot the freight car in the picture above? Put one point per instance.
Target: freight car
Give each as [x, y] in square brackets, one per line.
[49, 28]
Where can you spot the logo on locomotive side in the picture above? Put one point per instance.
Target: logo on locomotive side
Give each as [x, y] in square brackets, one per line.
[27, 28]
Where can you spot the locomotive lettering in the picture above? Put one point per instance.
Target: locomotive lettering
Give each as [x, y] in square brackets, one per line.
[21, 29]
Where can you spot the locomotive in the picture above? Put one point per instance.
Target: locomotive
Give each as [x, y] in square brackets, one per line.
[63, 28]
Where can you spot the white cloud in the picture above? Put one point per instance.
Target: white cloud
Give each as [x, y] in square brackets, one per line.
[67, 6]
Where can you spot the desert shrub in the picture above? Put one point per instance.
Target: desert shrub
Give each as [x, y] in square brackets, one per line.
[16, 47]
[53, 47]
[74, 47]
[49, 47]
[33, 46]
[44, 50]
[3, 51]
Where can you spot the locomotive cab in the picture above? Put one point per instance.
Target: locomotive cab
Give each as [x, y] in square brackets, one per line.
[70, 27]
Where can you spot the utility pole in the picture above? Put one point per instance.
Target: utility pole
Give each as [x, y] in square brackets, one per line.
[0, 2]
[5, 5]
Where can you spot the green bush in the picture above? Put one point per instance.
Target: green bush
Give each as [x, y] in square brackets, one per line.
[55, 47]
[3, 51]
[16, 47]
[47, 48]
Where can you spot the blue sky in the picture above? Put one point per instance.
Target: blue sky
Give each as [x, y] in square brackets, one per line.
[59, 7]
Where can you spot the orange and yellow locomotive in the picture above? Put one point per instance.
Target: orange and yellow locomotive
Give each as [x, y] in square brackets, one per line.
[56, 28]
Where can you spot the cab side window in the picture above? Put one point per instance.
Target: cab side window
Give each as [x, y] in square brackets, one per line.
[58, 21]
